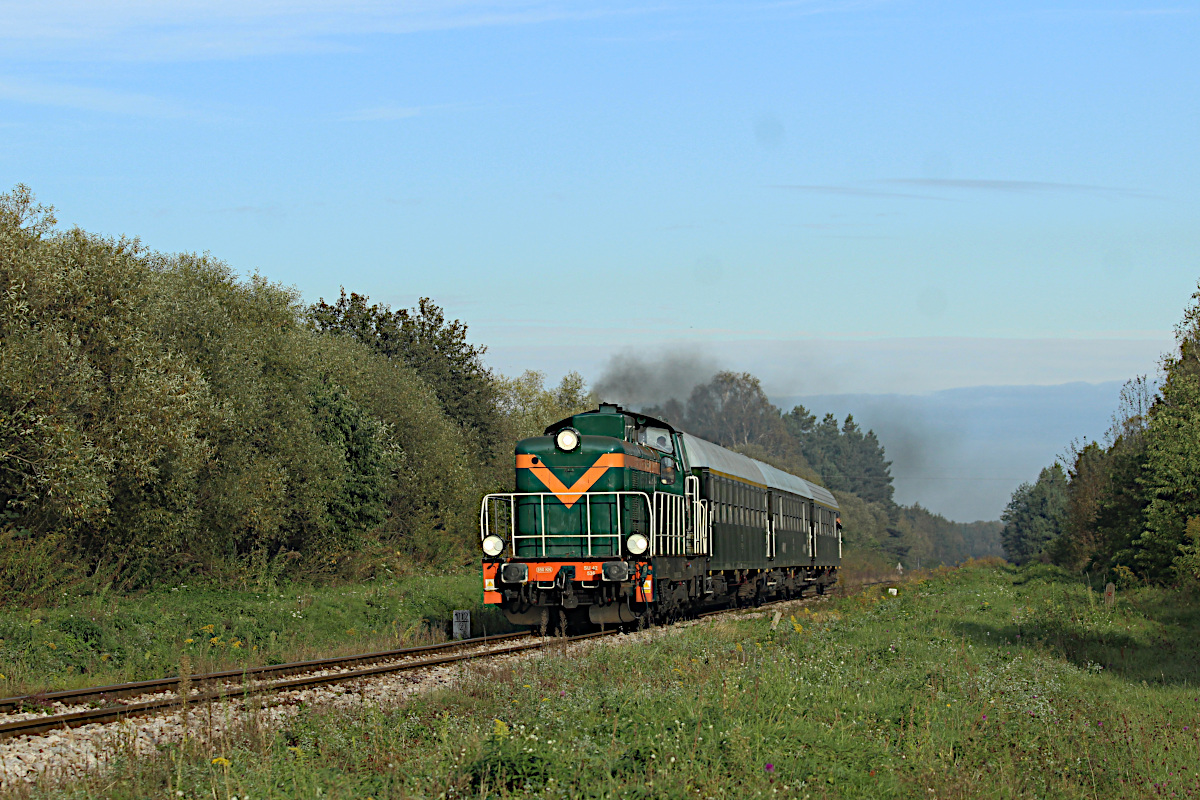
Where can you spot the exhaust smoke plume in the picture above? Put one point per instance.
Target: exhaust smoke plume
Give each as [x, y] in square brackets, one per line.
[637, 382]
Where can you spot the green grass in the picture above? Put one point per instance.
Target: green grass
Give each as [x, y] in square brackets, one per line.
[101, 638]
[980, 682]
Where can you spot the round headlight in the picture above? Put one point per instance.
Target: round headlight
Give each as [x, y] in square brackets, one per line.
[493, 545]
[637, 544]
[567, 439]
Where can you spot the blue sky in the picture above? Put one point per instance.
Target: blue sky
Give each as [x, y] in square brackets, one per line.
[846, 197]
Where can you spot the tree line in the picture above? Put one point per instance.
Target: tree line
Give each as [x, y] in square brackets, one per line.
[161, 417]
[1128, 505]
[732, 410]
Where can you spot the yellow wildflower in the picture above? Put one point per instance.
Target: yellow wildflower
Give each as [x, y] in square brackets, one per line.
[221, 761]
[208, 629]
[236, 643]
[215, 641]
[188, 641]
[52, 645]
[3, 677]
[499, 729]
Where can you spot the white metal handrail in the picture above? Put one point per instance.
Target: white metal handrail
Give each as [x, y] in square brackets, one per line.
[701, 519]
[670, 516]
[493, 502]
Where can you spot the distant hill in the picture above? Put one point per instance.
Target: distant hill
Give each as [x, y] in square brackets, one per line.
[961, 452]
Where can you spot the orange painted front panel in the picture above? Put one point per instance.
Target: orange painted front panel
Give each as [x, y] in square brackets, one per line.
[490, 595]
[548, 570]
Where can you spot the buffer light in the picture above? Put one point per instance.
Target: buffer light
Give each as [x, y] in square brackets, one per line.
[637, 544]
[493, 545]
[567, 439]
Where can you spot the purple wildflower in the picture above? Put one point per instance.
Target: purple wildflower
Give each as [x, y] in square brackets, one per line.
[769, 768]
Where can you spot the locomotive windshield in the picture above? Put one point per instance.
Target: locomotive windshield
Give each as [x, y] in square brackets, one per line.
[658, 438]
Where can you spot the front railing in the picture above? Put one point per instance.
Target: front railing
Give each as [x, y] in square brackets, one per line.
[595, 525]
[539, 525]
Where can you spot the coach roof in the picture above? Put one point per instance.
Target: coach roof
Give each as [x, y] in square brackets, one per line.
[706, 455]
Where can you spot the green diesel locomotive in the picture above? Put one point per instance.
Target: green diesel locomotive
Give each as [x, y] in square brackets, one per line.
[619, 519]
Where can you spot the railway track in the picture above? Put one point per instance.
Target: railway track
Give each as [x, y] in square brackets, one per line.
[259, 680]
[234, 684]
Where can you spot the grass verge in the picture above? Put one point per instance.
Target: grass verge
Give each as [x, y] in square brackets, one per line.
[986, 681]
[100, 638]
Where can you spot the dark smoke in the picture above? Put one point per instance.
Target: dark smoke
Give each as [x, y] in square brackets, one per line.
[636, 382]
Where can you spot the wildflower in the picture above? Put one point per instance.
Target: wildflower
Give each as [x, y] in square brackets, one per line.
[563, 693]
[214, 641]
[499, 728]
[4, 677]
[208, 629]
[36, 622]
[188, 641]
[221, 761]
[769, 767]
[52, 645]
[739, 647]
[235, 643]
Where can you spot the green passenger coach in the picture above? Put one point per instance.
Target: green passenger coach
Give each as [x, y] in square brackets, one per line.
[619, 518]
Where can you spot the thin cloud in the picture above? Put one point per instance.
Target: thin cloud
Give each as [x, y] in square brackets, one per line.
[88, 98]
[1117, 13]
[1017, 187]
[851, 191]
[815, 7]
[218, 29]
[382, 114]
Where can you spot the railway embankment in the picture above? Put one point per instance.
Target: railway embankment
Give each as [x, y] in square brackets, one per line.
[983, 681]
[98, 638]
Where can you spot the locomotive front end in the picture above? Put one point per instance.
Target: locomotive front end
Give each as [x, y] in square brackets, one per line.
[573, 544]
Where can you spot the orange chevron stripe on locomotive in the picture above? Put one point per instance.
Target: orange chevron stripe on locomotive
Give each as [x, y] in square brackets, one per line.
[569, 496]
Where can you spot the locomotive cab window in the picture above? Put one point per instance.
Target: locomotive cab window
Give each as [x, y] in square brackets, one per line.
[658, 438]
[666, 471]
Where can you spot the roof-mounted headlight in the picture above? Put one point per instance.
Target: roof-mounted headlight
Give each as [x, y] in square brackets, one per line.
[567, 439]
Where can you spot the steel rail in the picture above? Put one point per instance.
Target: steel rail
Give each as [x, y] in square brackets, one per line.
[113, 713]
[166, 684]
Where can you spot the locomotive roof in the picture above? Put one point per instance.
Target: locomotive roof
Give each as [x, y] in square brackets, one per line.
[610, 408]
[706, 455]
